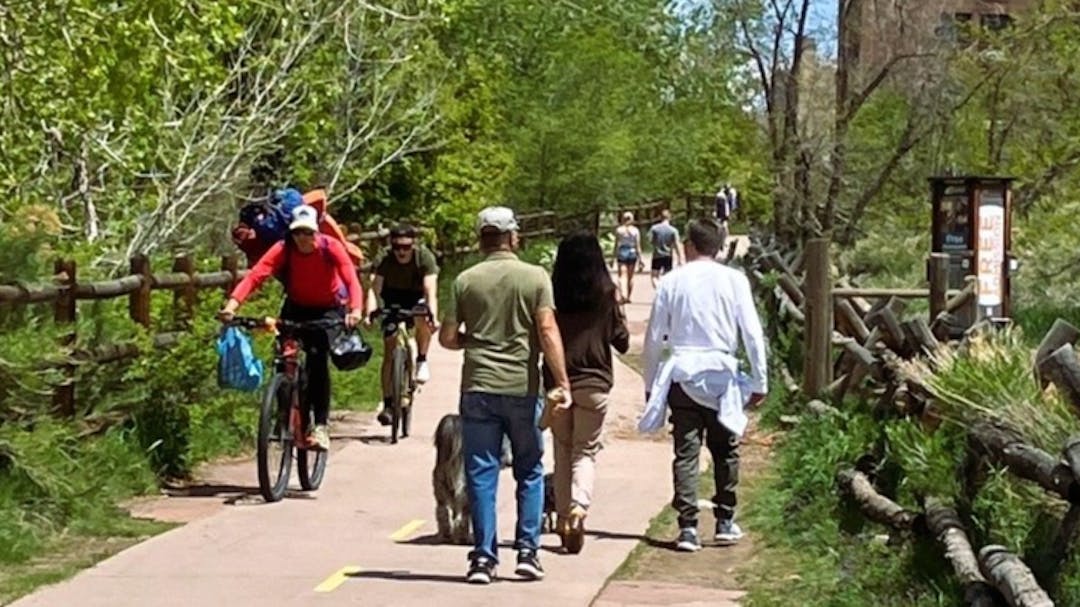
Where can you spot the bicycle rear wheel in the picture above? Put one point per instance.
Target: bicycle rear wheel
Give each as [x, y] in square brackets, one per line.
[398, 389]
[311, 467]
[274, 448]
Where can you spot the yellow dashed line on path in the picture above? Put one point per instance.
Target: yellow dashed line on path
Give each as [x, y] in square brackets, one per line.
[337, 579]
[406, 530]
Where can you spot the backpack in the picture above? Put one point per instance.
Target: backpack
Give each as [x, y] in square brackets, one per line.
[269, 220]
[273, 224]
[328, 226]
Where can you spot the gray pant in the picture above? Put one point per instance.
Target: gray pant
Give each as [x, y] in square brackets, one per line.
[694, 423]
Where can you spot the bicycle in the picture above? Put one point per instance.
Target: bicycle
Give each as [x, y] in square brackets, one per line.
[284, 418]
[403, 370]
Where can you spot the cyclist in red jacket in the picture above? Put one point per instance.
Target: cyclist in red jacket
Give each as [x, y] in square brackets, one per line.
[320, 284]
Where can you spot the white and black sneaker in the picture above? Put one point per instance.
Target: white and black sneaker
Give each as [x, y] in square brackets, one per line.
[528, 565]
[481, 571]
[688, 540]
[728, 532]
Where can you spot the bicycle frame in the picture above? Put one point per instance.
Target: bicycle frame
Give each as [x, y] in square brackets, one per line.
[403, 370]
[288, 360]
[287, 355]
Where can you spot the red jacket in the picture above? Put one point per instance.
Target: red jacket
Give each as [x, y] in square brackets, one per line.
[313, 280]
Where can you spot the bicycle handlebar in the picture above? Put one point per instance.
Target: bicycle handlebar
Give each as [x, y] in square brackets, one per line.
[399, 312]
[271, 323]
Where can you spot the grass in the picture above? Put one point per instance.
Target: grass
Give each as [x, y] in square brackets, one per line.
[815, 548]
[70, 553]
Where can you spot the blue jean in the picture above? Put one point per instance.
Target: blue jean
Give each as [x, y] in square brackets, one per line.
[485, 419]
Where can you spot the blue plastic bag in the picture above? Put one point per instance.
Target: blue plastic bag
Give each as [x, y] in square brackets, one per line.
[238, 367]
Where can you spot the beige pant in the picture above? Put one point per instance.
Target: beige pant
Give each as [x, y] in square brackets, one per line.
[577, 441]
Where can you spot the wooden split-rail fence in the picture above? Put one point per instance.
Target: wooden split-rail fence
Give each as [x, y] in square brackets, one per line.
[868, 330]
[65, 289]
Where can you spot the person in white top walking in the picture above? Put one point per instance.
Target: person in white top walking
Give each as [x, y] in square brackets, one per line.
[699, 313]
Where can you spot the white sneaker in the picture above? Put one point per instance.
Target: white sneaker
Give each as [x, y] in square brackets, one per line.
[423, 374]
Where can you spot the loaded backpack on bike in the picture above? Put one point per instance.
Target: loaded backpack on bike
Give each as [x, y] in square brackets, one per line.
[263, 223]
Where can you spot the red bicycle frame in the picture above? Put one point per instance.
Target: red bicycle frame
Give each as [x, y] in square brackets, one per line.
[287, 352]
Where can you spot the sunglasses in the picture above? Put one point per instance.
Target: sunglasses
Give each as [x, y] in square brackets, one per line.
[302, 232]
[402, 247]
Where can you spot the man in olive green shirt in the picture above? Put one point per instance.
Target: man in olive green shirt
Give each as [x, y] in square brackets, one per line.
[503, 318]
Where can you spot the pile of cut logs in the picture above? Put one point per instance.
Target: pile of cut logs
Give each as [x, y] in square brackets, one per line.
[803, 296]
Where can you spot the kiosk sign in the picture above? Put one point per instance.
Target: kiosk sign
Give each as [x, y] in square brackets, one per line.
[990, 255]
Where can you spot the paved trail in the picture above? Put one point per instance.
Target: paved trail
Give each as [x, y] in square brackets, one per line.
[367, 536]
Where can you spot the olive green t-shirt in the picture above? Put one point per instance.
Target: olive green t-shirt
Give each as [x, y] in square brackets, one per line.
[497, 300]
[407, 276]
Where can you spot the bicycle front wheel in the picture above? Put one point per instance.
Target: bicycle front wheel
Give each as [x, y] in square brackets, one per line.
[408, 388]
[399, 389]
[274, 448]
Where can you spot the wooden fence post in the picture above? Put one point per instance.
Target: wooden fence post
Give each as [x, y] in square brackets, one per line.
[971, 310]
[938, 276]
[185, 298]
[139, 300]
[64, 313]
[817, 368]
[229, 263]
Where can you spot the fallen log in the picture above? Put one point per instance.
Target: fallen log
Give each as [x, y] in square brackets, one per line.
[791, 287]
[792, 310]
[1071, 454]
[1006, 572]
[1061, 333]
[943, 522]
[1025, 461]
[863, 358]
[1062, 368]
[862, 307]
[848, 320]
[886, 319]
[1065, 536]
[919, 336]
[875, 506]
[820, 409]
[789, 381]
[773, 262]
[946, 325]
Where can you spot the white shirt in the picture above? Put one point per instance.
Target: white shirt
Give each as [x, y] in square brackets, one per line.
[704, 308]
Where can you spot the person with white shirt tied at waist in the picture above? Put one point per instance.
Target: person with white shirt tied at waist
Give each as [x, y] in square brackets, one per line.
[699, 313]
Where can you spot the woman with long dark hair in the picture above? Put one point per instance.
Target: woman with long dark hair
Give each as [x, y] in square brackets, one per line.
[591, 322]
